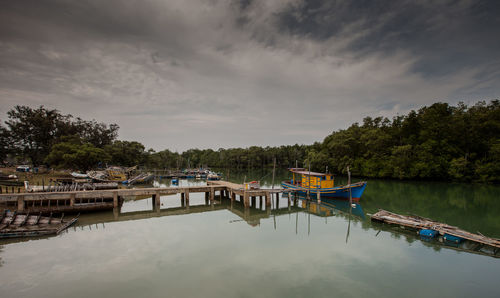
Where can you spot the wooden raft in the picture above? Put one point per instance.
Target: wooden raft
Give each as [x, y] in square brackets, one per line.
[14, 225]
[417, 222]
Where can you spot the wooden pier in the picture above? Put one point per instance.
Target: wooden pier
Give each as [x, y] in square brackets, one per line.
[418, 223]
[89, 200]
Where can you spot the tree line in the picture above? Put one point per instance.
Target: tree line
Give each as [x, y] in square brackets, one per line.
[440, 142]
[437, 142]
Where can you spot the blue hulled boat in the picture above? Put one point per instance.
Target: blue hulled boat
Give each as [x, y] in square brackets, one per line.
[304, 181]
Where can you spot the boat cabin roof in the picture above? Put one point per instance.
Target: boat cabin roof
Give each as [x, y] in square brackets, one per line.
[302, 171]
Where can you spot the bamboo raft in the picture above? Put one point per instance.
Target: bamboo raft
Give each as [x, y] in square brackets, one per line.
[418, 223]
[13, 224]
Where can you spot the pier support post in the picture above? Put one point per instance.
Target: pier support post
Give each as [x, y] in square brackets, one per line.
[115, 199]
[246, 200]
[156, 201]
[186, 197]
[20, 203]
[212, 195]
[182, 196]
[260, 202]
[277, 200]
[72, 199]
[254, 201]
[268, 200]
[233, 196]
[116, 213]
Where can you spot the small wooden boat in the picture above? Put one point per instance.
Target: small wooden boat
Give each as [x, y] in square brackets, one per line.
[13, 225]
[304, 181]
[79, 175]
[7, 177]
[141, 178]
[213, 176]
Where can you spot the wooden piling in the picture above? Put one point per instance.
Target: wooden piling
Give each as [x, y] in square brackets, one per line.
[20, 203]
[246, 199]
[158, 199]
[115, 199]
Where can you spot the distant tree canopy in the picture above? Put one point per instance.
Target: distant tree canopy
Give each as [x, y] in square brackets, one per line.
[32, 133]
[440, 142]
[437, 142]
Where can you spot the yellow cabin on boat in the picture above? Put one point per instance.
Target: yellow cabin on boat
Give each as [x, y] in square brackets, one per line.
[116, 175]
[308, 179]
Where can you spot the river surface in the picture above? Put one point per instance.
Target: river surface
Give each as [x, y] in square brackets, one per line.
[301, 250]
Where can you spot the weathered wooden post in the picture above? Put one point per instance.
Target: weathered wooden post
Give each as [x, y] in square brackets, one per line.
[158, 200]
[186, 197]
[268, 200]
[212, 195]
[115, 199]
[72, 199]
[116, 212]
[20, 203]
[246, 199]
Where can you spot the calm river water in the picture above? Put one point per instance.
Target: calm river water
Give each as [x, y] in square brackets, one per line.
[296, 251]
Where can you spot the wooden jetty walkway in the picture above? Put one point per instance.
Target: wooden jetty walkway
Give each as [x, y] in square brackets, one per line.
[418, 223]
[88, 200]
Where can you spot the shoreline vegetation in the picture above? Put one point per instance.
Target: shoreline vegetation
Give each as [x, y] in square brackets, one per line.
[437, 142]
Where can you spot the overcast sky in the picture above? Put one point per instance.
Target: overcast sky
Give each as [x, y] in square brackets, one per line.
[180, 74]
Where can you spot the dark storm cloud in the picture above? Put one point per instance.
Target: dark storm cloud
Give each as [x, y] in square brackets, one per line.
[445, 36]
[233, 73]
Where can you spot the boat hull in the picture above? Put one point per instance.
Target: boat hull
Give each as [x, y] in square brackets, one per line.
[343, 192]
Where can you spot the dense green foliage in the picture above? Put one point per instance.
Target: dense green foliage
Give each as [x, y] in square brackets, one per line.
[72, 153]
[440, 142]
[436, 142]
[238, 158]
[33, 134]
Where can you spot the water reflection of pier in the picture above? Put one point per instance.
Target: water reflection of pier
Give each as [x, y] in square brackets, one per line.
[252, 215]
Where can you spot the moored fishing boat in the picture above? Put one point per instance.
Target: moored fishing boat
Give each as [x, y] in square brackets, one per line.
[79, 175]
[13, 225]
[304, 181]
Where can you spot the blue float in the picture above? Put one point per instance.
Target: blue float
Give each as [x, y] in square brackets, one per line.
[451, 238]
[428, 233]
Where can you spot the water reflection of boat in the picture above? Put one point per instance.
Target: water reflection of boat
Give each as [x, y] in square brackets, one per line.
[330, 206]
[304, 181]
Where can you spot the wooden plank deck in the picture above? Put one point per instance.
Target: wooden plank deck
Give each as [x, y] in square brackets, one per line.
[417, 222]
[110, 198]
